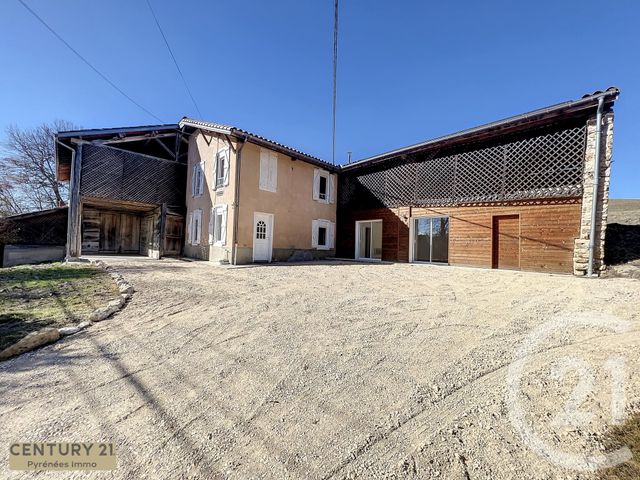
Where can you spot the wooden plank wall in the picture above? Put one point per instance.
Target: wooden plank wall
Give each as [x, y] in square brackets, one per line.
[112, 231]
[547, 232]
[90, 230]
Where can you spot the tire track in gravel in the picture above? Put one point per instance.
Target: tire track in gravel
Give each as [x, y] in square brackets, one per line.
[442, 412]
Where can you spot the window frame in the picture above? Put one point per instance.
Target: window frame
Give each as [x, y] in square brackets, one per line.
[218, 226]
[221, 169]
[323, 244]
[197, 180]
[195, 227]
[330, 188]
[323, 196]
[330, 236]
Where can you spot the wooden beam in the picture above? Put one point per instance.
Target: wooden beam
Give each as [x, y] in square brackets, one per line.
[167, 149]
[163, 223]
[74, 240]
[136, 138]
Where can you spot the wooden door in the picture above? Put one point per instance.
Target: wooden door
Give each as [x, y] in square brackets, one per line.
[506, 241]
[129, 241]
[173, 235]
[109, 232]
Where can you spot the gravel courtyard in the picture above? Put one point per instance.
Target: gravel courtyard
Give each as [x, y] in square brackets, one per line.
[324, 370]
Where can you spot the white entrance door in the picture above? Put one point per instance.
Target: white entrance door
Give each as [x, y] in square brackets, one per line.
[262, 236]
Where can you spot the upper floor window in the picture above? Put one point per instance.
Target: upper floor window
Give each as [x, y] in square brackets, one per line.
[197, 180]
[268, 170]
[221, 169]
[324, 189]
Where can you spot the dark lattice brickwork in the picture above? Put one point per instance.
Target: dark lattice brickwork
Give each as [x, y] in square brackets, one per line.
[548, 165]
[121, 175]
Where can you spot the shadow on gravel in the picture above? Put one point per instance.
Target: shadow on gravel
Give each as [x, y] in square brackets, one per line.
[177, 432]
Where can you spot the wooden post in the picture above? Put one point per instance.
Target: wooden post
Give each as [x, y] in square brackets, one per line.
[74, 241]
[163, 223]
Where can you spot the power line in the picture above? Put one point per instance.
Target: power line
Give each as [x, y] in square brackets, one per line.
[102, 75]
[166, 42]
[335, 77]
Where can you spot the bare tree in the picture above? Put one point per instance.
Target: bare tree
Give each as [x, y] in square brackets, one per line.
[28, 169]
[9, 204]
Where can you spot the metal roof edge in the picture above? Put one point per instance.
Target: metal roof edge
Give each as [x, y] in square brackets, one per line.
[215, 127]
[107, 131]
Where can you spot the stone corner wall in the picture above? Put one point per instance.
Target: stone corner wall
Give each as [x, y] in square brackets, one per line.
[581, 247]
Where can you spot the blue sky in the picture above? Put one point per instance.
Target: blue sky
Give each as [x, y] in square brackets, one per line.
[408, 71]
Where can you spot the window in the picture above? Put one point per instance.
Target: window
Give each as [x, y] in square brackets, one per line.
[430, 239]
[221, 169]
[195, 227]
[322, 234]
[268, 170]
[197, 181]
[368, 240]
[261, 230]
[324, 189]
[218, 225]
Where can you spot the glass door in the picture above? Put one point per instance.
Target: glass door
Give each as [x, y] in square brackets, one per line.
[431, 239]
[369, 240]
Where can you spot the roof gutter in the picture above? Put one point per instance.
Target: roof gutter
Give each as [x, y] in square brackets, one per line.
[596, 183]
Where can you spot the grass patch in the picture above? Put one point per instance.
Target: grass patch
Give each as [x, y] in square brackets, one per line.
[627, 434]
[53, 295]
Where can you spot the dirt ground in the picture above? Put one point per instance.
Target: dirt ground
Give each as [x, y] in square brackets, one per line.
[327, 370]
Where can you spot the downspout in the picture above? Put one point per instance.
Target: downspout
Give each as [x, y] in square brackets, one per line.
[596, 182]
[236, 203]
[71, 179]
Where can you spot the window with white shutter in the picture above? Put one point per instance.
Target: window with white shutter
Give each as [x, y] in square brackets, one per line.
[189, 228]
[195, 227]
[322, 234]
[221, 169]
[218, 225]
[324, 186]
[268, 170]
[197, 180]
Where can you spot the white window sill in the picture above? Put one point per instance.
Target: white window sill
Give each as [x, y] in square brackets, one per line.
[322, 247]
[218, 244]
[268, 190]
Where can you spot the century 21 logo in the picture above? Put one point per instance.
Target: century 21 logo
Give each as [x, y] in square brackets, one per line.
[570, 415]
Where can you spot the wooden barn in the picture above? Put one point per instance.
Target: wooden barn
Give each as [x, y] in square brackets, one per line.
[519, 193]
[127, 189]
